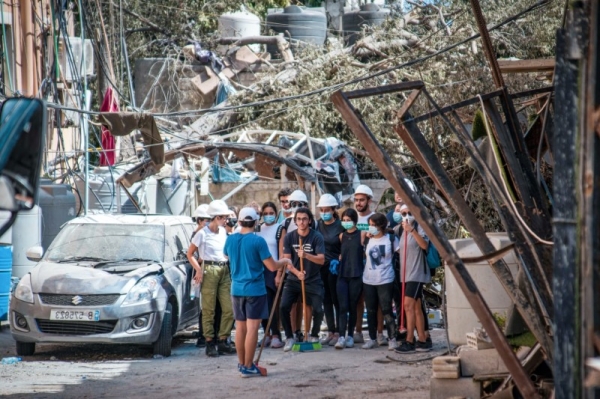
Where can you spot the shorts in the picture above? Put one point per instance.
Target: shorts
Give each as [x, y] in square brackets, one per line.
[413, 289]
[250, 307]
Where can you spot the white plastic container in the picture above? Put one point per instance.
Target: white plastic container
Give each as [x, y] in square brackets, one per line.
[26, 233]
[6, 238]
[240, 24]
[461, 317]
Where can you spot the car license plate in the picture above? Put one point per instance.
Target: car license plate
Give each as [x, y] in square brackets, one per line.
[75, 315]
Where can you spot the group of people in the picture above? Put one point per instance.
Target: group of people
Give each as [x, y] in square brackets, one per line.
[347, 262]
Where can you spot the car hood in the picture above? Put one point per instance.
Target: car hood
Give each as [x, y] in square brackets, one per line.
[65, 278]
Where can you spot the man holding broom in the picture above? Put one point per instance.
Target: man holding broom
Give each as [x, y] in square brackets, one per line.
[247, 253]
[303, 246]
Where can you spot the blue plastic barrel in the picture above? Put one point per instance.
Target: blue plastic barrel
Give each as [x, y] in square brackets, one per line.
[5, 274]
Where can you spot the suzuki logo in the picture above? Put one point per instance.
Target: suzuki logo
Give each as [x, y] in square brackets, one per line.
[76, 300]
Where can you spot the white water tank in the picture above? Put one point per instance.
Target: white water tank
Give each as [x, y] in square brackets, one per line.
[26, 233]
[102, 190]
[240, 24]
[461, 317]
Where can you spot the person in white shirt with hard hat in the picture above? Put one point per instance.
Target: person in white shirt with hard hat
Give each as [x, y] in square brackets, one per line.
[212, 271]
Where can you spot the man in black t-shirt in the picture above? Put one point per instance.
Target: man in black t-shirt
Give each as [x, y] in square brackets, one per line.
[312, 253]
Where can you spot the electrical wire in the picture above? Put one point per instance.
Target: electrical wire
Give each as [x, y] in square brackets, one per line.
[539, 4]
[505, 188]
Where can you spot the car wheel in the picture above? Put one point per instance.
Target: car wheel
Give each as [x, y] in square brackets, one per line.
[162, 346]
[25, 348]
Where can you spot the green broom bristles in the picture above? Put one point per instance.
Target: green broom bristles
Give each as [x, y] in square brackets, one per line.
[306, 346]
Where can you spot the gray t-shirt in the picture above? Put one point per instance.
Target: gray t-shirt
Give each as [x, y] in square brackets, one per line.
[416, 268]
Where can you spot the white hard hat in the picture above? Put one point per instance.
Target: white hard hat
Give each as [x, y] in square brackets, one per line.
[327, 200]
[200, 212]
[298, 196]
[218, 207]
[364, 189]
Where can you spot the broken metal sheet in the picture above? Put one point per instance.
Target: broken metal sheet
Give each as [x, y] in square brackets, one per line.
[123, 123]
[240, 150]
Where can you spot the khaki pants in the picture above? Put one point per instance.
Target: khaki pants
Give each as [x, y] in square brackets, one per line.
[216, 283]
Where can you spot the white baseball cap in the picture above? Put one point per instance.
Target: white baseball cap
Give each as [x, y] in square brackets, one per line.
[248, 214]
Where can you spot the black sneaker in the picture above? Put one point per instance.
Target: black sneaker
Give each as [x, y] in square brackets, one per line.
[224, 347]
[200, 342]
[299, 336]
[421, 346]
[211, 349]
[429, 342]
[400, 336]
[406, 347]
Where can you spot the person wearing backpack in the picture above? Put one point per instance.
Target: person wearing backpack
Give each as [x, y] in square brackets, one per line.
[415, 274]
[330, 228]
[268, 231]
[378, 279]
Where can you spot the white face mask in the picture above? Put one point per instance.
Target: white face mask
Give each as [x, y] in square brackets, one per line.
[373, 230]
[409, 218]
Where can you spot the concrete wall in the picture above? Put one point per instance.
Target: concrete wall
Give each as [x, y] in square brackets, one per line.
[263, 191]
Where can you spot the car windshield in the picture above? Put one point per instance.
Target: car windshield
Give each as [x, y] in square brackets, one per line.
[107, 242]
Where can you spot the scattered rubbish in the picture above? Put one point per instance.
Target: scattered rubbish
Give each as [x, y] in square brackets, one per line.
[11, 360]
[53, 358]
[157, 356]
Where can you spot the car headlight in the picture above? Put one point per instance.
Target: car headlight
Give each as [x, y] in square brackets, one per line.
[144, 291]
[23, 291]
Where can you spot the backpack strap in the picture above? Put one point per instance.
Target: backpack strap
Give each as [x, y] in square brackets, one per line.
[279, 232]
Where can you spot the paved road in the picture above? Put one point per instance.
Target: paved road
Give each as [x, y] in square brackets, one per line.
[104, 371]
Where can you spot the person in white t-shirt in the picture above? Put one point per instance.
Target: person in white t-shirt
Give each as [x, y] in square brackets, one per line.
[378, 279]
[268, 231]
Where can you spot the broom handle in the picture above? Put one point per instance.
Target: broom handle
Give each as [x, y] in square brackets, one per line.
[262, 345]
[404, 278]
[304, 309]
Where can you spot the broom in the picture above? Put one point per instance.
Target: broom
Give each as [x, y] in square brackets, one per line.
[305, 346]
[263, 370]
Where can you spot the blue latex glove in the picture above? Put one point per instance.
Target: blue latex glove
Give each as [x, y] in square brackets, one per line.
[333, 266]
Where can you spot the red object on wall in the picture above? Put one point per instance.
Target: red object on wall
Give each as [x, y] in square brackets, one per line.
[109, 104]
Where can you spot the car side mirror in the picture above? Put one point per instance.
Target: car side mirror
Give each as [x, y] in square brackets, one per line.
[35, 254]
[22, 137]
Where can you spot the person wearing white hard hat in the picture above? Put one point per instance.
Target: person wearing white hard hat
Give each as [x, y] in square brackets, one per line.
[249, 254]
[363, 195]
[330, 228]
[201, 217]
[212, 271]
[393, 216]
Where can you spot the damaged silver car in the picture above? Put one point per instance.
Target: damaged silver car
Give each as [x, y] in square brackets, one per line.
[121, 279]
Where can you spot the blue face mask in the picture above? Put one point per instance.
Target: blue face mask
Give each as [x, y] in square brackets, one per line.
[397, 217]
[327, 216]
[269, 219]
[347, 225]
[373, 230]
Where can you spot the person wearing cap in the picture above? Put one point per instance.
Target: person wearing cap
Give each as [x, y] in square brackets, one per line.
[212, 271]
[415, 274]
[330, 228]
[201, 218]
[248, 254]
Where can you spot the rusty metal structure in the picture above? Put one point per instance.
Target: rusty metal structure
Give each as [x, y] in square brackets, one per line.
[556, 237]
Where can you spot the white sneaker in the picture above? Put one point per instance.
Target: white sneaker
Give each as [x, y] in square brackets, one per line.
[358, 338]
[349, 342]
[381, 340]
[392, 344]
[313, 339]
[288, 344]
[327, 340]
[370, 344]
[341, 343]
[276, 343]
